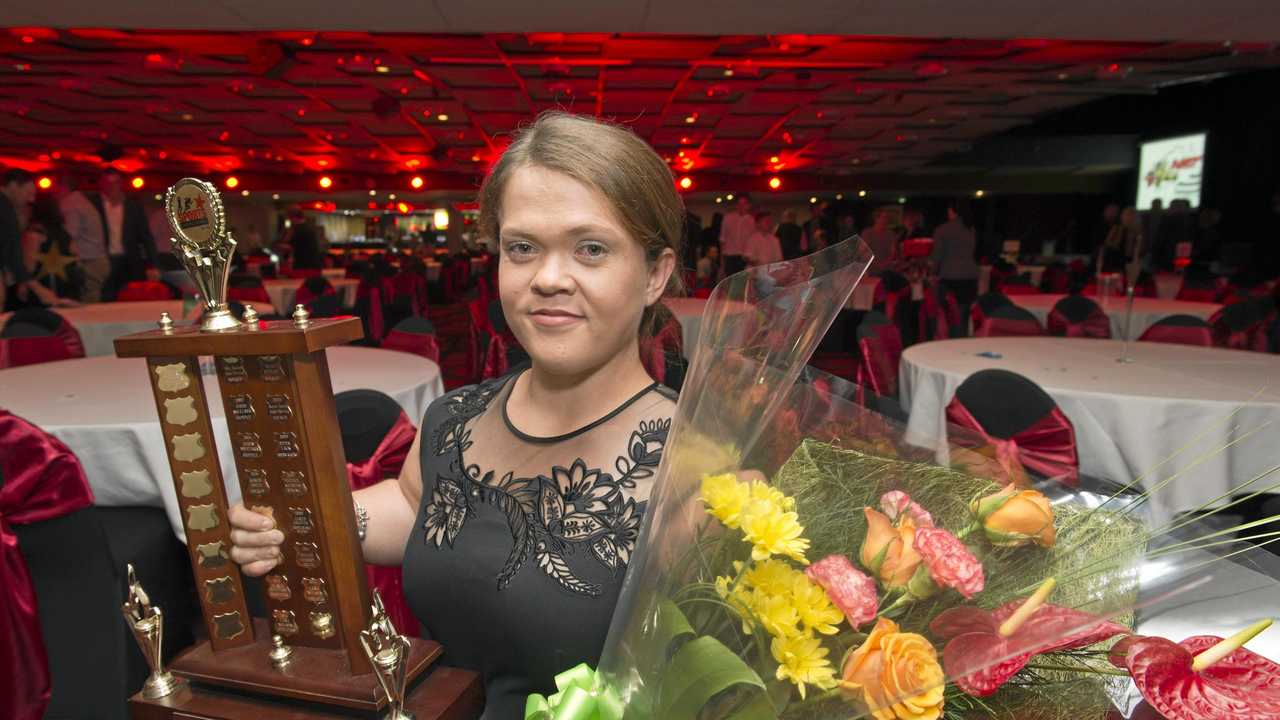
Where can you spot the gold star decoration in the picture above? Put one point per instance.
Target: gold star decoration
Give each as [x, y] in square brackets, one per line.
[53, 263]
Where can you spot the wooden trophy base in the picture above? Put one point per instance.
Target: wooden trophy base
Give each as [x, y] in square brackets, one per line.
[242, 683]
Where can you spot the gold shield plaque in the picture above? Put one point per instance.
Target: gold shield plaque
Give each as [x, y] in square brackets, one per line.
[202, 517]
[212, 555]
[180, 410]
[228, 625]
[322, 624]
[172, 378]
[284, 622]
[278, 587]
[313, 590]
[187, 448]
[219, 590]
[195, 484]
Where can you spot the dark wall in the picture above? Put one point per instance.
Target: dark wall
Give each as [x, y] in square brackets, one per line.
[1242, 116]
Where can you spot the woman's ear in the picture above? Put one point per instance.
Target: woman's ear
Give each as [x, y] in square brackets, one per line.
[659, 274]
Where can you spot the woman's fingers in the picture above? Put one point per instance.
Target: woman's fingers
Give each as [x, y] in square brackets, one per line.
[246, 555]
[246, 519]
[245, 538]
[258, 568]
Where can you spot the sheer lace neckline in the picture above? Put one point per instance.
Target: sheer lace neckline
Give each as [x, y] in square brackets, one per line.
[506, 417]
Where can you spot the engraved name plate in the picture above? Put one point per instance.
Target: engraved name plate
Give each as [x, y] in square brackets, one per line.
[271, 367]
[300, 520]
[286, 444]
[195, 483]
[212, 555]
[188, 448]
[233, 369]
[308, 555]
[202, 517]
[278, 588]
[172, 378]
[180, 410]
[256, 482]
[241, 407]
[228, 625]
[278, 407]
[294, 482]
[283, 622]
[313, 590]
[248, 445]
[219, 590]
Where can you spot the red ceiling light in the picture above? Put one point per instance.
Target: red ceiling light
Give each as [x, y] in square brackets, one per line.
[137, 182]
[775, 182]
[686, 182]
[231, 182]
[326, 182]
[404, 208]
[417, 182]
[27, 39]
[44, 183]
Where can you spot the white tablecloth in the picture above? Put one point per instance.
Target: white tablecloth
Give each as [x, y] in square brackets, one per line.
[1146, 311]
[101, 323]
[1128, 417]
[102, 408]
[284, 290]
[689, 312]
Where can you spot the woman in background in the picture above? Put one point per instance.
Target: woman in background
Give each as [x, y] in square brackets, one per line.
[954, 246]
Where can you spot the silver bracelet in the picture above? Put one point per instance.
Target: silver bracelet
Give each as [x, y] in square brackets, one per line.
[362, 520]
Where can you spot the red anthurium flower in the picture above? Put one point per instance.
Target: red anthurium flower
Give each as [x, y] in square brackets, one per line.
[985, 649]
[1243, 685]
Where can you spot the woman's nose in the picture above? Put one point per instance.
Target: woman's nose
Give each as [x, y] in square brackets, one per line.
[553, 275]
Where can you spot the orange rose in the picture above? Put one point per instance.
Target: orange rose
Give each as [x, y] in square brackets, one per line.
[1014, 517]
[889, 552]
[895, 675]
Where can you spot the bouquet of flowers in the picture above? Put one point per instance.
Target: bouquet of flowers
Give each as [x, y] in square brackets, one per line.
[799, 559]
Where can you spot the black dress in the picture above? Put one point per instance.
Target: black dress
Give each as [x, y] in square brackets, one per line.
[521, 544]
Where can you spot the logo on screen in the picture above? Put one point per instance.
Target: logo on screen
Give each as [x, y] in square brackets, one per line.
[1166, 170]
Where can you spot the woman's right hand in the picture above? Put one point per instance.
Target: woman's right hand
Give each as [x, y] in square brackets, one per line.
[255, 541]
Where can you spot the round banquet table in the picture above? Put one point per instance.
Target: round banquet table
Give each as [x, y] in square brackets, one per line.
[283, 290]
[1146, 311]
[101, 323]
[102, 408]
[1128, 417]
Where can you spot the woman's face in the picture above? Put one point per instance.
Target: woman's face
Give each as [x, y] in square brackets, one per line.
[573, 282]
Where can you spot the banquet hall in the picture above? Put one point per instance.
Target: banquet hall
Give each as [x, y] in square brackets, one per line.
[1064, 217]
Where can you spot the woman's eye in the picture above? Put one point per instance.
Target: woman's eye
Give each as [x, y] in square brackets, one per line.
[593, 250]
[519, 248]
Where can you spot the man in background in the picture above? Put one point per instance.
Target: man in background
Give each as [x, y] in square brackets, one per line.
[129, 246]
[763, 247]
[883, 241]
[18, 288]
[84, 225]
[790, 236]
[735, 233]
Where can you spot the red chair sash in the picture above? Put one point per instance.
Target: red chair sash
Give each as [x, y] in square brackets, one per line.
[143, 290]
[19, 351]
[1048, 447]
[1097, 325]
[495, 358]
[1019, 289]
[304, 294]
[386, 462]
[875, 370]
[71, 338]
[372, 294]
[1194, 294]
[1007, 327]
[424, 345]
[1179, 334]
[42, 480]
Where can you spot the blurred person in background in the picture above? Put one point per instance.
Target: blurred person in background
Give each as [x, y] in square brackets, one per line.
[882, 239]
[763, 247]
[84, 226]
[913, 225]
[954, 248]
[18, 249]
[790, 236]
[735, 233]
[126, 233]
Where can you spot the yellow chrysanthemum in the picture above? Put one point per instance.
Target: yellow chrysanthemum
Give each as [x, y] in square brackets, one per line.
[776, 614]
[725, 497]
[814, 607]
[772, 577]
[803, 661]
[771, 530]
[765, 491]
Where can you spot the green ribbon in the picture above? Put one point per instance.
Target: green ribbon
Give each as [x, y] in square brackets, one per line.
[583, 696]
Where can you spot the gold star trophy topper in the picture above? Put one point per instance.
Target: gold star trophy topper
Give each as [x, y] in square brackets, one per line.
[204, 246]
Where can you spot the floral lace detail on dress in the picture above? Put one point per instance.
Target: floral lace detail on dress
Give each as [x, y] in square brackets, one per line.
[573, 509]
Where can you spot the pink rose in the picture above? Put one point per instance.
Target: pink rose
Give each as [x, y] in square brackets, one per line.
[895, 503]
[848, 588]
[950, 563]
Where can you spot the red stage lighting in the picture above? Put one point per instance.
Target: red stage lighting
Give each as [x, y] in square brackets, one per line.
[137, 182]
[417, 182]
[326, 182]
[231, 182]
[775, 182]
[686, 182]
[45, 183]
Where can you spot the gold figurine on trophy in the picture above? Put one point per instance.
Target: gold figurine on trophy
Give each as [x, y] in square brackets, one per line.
[204, 246]
[388, 652]
[147, 623]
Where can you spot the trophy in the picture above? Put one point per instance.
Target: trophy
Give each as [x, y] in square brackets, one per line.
[147, 623]
[272, 377]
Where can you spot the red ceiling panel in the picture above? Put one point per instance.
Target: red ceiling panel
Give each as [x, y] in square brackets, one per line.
[281, 102]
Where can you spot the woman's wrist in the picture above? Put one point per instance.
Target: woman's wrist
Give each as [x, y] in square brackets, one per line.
[362, 520]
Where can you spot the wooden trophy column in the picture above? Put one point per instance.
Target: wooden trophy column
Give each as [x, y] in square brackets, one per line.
[273, 379]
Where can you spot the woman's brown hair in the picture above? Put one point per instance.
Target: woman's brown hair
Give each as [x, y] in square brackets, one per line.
[605, 156]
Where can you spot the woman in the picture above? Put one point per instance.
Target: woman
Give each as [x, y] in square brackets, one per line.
[954, 246]
[519, 507]
[44, 230]
[1123, 247]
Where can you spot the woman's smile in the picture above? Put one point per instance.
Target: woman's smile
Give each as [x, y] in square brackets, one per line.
[555, 317]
